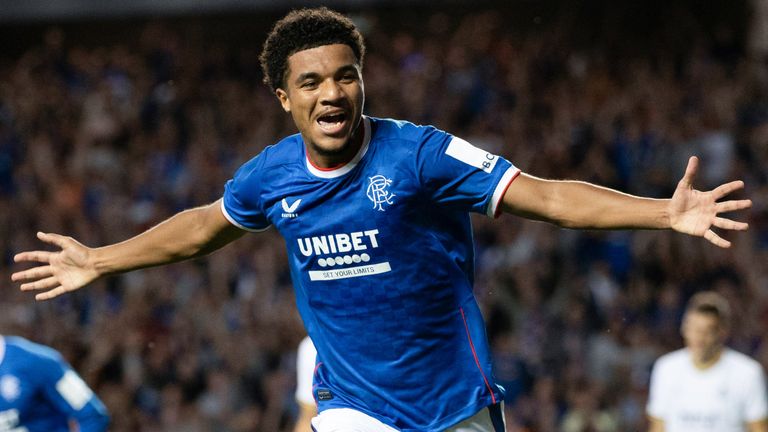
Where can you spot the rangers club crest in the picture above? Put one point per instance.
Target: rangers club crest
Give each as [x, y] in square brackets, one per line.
[378, 191]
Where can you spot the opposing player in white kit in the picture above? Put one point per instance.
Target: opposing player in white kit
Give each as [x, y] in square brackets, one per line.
[375, 215]
[706, 387]
[305, 370]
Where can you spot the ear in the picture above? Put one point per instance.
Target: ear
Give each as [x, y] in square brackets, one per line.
[285, 101]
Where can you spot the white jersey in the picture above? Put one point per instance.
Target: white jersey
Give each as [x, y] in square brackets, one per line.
[721, 398]
[305, 369]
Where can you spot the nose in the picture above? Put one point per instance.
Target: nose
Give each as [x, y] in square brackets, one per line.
[330, 92]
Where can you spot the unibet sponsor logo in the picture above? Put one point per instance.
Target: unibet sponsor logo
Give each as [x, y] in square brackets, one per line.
[349, 249]
[339, 243]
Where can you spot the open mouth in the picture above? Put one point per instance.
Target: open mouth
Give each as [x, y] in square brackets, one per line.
[332, 123]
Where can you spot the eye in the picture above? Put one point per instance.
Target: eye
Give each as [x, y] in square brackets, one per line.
[309, 85]
[348, 77]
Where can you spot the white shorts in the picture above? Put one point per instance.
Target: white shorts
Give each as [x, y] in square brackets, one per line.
[490, 419]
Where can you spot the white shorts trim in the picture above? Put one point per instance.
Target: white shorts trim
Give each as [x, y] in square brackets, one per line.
[348, 420]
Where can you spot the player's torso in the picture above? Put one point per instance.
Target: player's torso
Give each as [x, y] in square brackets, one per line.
[22, 407]
[348, 234]
[708, 401]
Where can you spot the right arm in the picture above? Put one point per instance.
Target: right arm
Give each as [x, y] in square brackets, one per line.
[189, 234]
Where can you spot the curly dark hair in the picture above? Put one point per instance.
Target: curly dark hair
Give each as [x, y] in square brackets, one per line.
[303, 29]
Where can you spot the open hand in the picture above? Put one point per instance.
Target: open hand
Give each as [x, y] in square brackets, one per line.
[695, 212]
[61, 271]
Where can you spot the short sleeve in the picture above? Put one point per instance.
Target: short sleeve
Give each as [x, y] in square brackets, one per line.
[241, 203]
[658, 394]
[756, 407]
[457, 174]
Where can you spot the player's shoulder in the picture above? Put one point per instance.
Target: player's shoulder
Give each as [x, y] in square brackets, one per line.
[19, 347]
[402, 130]
[740, 361]
[673, 360]
[286, 151]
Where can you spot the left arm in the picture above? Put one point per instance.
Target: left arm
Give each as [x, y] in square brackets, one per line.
[574, 204]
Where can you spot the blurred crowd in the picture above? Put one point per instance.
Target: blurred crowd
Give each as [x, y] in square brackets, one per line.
[101, 140]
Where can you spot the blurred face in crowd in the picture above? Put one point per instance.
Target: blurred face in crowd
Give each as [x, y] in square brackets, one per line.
[323, 92]
[704, 337]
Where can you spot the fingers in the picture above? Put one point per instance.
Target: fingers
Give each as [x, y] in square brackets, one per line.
[733, 205]
[43, 256]
[730, 224]
[59, 290]
[33, 273]
[54, 239]
[716, 239]
[727, 188]
[690, 172]
[46, 283]
[36, 256]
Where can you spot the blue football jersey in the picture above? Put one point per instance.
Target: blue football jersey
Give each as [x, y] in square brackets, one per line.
[382, 260]
[39, 392]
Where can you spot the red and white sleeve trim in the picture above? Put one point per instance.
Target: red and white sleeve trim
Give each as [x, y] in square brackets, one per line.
[494, 207]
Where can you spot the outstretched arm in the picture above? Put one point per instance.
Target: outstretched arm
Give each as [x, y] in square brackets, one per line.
[573, 204]
[188, 234]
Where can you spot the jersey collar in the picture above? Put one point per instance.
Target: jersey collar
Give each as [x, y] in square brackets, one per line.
[349, 166]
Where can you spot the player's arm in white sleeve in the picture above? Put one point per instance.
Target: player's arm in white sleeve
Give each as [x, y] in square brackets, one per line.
[574, 204]
[305, 369]
[657, 402]
[191, 233]
[756, 410]
[64, 388]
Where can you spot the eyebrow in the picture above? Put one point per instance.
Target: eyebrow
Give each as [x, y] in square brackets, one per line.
[315, 75]
[307, 75]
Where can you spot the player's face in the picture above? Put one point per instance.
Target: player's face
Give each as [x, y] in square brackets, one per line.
[324, 94]
[704, 336]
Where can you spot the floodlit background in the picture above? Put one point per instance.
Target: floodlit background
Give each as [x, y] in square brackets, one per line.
[115, 114]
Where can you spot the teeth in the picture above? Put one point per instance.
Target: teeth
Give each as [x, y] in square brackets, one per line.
[336, 118]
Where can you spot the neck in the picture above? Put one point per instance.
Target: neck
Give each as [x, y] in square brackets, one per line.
[327, 162]
[707, 362]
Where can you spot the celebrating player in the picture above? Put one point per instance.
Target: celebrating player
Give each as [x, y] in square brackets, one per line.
[39, 392]
[706, 386]
[375, 215]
